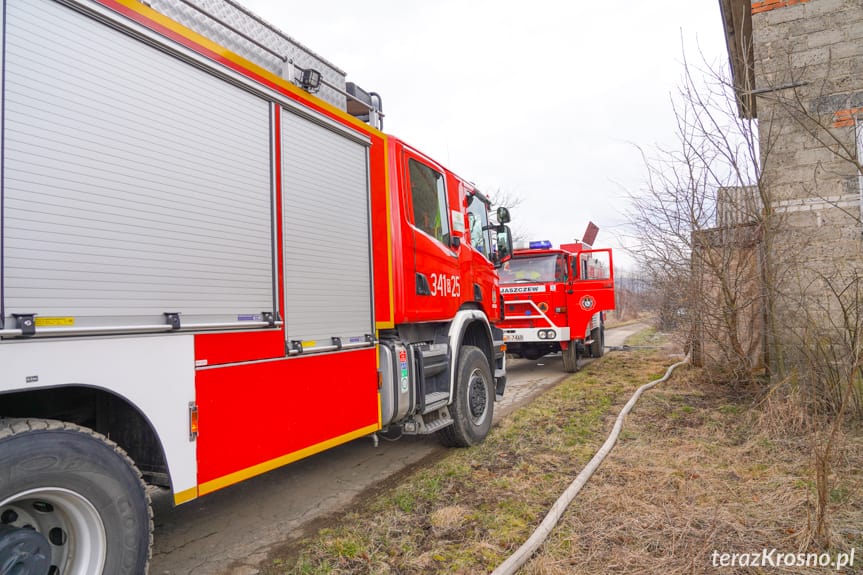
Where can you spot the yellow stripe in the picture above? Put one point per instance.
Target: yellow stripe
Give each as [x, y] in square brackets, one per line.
[204, 42]
[54, 321]
[391, 322]
[244, 474]
[380, 414]
[185, 496]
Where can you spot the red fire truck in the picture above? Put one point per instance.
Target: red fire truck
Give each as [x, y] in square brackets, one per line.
[209, 272]
[556, 299]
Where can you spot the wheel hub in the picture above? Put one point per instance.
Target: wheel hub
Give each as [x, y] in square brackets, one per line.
[66, 522]
[477, 397]
[23, 551]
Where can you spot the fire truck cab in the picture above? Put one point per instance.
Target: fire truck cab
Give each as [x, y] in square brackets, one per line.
[556, 299]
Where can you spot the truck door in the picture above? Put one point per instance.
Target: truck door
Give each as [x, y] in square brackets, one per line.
[478, 272]
[437, 287]
[593, 282]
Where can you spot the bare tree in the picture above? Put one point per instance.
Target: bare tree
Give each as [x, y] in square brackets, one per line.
[511, 201]
[704, 276]
[740, 237]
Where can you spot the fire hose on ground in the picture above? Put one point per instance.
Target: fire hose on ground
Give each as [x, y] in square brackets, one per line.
[523, 553]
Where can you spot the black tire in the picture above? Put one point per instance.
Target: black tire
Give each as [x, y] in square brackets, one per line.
[570, 358]
[80, 491]
[597, 348]
[473, 405]
[532, 354]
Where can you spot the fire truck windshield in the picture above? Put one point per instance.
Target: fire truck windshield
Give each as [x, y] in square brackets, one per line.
[542, 268]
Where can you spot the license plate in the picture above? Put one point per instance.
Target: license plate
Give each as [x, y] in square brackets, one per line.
[513, 337]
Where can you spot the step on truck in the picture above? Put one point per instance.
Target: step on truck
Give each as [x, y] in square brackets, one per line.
[555, 300]
[214, 262]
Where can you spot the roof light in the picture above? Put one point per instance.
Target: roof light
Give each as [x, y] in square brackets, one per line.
[540, 245]
[311, 80]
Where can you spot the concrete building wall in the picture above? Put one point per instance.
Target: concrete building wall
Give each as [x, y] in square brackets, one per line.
[807, 77]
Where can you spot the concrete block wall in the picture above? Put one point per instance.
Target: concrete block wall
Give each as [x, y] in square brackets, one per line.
[809, 63]
[809, 70]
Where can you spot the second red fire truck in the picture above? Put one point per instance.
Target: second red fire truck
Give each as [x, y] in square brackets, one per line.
[555, 300]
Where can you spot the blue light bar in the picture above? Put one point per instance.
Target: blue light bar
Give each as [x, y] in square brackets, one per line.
[543, 245]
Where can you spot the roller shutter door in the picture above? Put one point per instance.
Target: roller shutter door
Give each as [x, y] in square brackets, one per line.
[134, 183]
[328, 288]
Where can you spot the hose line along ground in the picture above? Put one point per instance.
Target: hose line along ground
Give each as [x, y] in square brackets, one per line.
[529, 547]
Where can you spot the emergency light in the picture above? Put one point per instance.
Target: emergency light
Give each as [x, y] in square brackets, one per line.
[540, 245]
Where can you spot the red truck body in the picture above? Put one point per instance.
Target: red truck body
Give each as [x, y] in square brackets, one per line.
[207, 272]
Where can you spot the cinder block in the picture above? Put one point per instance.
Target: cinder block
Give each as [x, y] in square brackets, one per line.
[821, 8]
[826, 38]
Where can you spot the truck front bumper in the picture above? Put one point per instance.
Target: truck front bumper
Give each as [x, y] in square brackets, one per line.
[536, 335]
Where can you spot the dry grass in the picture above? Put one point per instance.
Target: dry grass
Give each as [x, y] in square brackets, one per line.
[694, 472]
[700, 471]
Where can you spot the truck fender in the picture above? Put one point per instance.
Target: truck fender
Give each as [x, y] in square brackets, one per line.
[457, 329]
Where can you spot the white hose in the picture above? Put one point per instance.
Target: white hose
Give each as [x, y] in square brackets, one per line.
[523, 553]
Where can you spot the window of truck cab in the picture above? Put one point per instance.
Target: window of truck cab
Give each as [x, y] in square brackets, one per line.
[595, 266]
[477, 218]
[536, 269]
[428, 195]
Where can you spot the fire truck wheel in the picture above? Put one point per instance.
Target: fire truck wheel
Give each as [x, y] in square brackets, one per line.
[79, 492]
[570, 358]
[473, 405]
[597, 348]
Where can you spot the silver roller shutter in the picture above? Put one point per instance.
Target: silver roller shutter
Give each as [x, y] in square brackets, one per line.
[328, 288]
[134, 184]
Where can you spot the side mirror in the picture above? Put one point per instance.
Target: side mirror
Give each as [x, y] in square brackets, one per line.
[502, 216]
[504, 245]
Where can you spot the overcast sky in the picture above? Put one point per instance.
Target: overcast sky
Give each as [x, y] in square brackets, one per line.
[545, 100]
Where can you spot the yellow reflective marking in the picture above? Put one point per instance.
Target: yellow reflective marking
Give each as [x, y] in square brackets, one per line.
[185, 496]
[244, 474]
[54, 321]
[221, 51]
[391, 322]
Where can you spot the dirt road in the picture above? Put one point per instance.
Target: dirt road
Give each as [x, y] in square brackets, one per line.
[229, 532]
